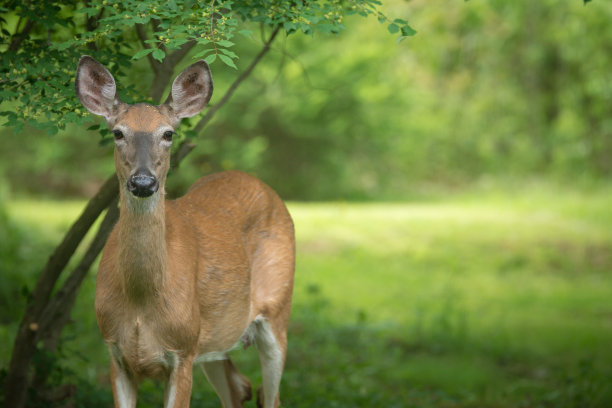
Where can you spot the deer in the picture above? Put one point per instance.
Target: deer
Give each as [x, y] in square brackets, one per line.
[182, 282]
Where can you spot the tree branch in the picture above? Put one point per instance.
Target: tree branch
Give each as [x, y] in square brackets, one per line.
[143, 38]
[155, 23]
[213, 109]
[172, 59]
[179, 54]
[62, 254]
[28, 332]
[91, 23]
[19, 37]
[186, 145]
[57, 313]
[183, 150]
[165, 69]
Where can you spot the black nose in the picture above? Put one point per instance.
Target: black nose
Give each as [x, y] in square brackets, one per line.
[142, 184]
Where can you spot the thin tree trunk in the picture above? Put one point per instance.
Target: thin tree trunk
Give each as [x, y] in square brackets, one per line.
[28, 332]
[45, 317]
[18, 38]
[186, 146]
[57, 313]
[163, 71]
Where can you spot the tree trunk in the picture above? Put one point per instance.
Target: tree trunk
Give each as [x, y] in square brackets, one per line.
[28, 332]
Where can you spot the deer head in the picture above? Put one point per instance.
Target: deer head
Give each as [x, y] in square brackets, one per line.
[143, 133]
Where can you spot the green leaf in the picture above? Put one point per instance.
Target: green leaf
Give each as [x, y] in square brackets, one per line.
[64, 45]
[202, 53]
[306, 29]
[328, 28]
[393, 28]
[176, 43]
[158, 54]
[229, 53]
[18, 127]
[105, 141]
[141, 20]
[7, 95]
[211, 58]
[227, 61]
[52, 130]
[225, 43]
[91, 11]
[142, 53]
[408, 31]
[290, 27]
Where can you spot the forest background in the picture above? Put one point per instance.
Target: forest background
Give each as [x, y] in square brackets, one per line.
[471, 163]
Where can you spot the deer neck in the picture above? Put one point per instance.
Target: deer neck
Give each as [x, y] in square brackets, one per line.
[142, 247]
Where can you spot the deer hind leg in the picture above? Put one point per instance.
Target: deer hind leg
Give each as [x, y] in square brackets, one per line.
[271, 347]
[233, 388]
[271, 289]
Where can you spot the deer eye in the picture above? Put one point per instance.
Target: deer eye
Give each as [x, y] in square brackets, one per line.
[168, 135]
[118, 134]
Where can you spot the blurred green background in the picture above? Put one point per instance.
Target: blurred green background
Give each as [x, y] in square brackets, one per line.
[451, 195]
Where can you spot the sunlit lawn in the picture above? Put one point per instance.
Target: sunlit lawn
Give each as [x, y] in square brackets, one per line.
[481, 300]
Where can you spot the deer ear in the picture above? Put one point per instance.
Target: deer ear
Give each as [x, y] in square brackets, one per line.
[96, 88]
[191, 90]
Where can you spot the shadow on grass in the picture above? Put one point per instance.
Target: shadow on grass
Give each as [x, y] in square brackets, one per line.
[434, 365]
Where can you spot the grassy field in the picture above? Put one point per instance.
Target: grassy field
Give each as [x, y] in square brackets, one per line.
[487, 299]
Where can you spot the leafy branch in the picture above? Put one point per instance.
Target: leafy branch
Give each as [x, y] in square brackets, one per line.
[36, 75]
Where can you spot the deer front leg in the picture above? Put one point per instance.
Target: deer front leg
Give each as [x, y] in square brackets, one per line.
[178, 387]
[124, 386]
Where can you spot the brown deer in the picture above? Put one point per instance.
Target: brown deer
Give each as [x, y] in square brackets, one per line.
[183, 282]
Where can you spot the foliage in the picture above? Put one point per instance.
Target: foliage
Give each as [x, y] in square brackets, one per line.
[490, 90]
[38, 58]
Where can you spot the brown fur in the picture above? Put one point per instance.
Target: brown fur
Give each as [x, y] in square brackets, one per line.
[198, 289]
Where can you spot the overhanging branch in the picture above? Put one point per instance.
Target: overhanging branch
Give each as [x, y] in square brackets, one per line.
[19, 37]
[213, 109]
[187, 146]
[143, 38]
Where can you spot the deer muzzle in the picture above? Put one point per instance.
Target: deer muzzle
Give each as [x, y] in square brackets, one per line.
[142, 183]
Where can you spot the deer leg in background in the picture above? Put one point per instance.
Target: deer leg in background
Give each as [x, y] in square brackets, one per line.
[233, 388]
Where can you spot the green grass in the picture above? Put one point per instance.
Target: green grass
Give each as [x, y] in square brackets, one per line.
[487, 299]
[494, 300]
